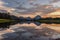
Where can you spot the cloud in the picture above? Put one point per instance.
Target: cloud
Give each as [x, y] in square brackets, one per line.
[39, 10]
[1, 3]
[56, 4]
[55, 0]
[39, 7]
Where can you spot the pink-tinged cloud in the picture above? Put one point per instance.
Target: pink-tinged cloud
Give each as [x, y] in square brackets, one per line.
[34, 7]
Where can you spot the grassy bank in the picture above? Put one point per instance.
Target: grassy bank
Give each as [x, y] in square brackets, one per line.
[41, 21]
[49, 21]
[5, 20]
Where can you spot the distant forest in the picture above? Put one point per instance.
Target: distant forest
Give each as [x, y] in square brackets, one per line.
[8, 16]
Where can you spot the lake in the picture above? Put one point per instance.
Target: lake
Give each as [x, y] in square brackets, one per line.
[29, 31]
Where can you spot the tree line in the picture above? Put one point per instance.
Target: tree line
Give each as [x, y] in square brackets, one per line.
[8, 16]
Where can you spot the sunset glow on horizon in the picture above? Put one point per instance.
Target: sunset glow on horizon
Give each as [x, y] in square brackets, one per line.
[35, 7]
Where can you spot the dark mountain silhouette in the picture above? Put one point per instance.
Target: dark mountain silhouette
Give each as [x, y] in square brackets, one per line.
[38, 17]
[29, 19]
[21, 18]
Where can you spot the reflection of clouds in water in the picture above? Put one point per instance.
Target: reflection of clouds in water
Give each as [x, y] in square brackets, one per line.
[21, 32]
[55, 36]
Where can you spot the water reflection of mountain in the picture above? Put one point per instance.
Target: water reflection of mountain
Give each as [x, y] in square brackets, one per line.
[7, 24]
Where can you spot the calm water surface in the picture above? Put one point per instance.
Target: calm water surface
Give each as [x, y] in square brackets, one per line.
[29, 31]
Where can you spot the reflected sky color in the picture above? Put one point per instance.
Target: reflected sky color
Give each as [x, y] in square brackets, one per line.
[51, 30]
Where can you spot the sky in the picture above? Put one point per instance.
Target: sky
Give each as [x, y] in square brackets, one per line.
[34, 7]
